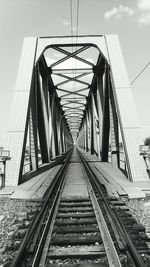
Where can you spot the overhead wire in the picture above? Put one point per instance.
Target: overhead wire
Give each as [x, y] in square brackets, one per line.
[76, 36]
[140, 73]
[71, 18]
[77, 29]
[71, 27]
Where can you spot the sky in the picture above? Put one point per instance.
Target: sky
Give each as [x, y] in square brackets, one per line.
[129, 19]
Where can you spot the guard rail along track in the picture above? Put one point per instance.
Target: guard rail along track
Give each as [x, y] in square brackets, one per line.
[87, 229]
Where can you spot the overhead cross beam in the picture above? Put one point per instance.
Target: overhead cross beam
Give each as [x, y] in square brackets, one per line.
[71, 70]
[74, 79]
[69, 55]
[42, 114]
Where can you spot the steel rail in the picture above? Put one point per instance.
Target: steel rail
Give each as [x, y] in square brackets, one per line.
[21, 255]
[129, 246]
[40, 256]
[110, 249]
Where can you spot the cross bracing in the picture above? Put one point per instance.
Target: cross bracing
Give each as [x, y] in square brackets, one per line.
[72, 90]
[72, 78]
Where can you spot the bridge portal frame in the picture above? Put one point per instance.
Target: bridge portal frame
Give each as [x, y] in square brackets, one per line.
[108, 111]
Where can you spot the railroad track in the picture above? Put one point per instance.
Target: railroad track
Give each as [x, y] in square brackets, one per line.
[89, 228]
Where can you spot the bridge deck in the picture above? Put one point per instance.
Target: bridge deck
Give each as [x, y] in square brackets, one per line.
[114, 180]
[33, 189]
[75, 183]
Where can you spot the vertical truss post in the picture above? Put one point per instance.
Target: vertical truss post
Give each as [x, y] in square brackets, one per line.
[58, 130]
[106, 119]
[63, 135]
[83, 139]
[50, 125]
[65, 143]
[54, 127]
[33, 126]
[114, 130]
[96, 117]
[84, 123]
[100, 99]
[91, 128]
[45, 90]
[94, 122]
[67, 139]
[58, 114]
[87, 135]
[61, 132]
[42, 120]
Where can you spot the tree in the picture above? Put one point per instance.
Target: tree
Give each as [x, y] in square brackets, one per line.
[147, 141]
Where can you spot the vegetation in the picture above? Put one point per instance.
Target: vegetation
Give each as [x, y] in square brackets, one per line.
[147, 141]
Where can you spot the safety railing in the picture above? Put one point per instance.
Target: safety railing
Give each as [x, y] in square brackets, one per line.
[122, 161]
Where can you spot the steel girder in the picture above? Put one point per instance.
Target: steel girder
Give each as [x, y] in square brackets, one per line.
[115, 109]
[63, 95]
[36, 118]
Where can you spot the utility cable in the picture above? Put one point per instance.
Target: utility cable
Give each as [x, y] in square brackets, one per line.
[77, 29]
[71, 20]
[140, 73]
[71, 24]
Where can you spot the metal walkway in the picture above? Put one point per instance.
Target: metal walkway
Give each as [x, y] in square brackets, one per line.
[115, 181]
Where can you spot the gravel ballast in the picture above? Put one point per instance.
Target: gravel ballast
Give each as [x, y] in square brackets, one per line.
[140, 210]
[15, 218]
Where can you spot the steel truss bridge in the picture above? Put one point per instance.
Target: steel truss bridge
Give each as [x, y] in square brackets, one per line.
[72, 91]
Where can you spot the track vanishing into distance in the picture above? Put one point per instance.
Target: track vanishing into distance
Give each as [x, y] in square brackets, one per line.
[80, 225]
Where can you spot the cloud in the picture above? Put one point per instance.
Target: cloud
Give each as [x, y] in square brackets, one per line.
[142, 12]
[119, 12]
[144, 8]
[66, 22]
[144, 19]
[144, 5]
[74, 28]
[111, 13]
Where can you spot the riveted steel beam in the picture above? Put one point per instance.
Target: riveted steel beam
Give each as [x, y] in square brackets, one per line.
[39, 111]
